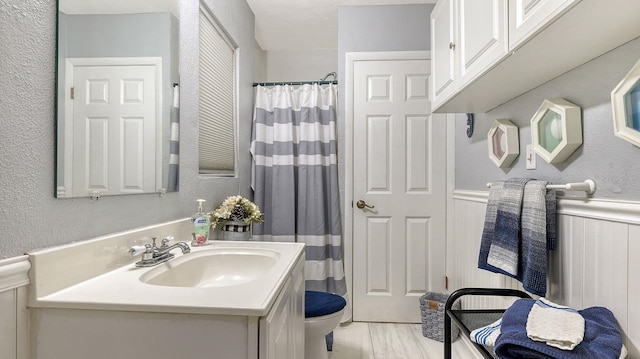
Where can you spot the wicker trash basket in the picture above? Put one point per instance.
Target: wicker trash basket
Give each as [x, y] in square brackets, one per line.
[432, 312]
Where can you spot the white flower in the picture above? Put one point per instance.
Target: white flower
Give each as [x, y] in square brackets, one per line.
[235, 208]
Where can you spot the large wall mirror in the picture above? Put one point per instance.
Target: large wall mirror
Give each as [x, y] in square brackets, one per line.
[117, 97]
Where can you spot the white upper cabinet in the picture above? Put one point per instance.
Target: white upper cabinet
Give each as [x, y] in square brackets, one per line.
[443, 42]
[482, 36]
[526, 17]
[468, 37]
[501, 49]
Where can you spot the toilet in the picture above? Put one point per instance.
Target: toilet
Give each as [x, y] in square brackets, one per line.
[323, 312]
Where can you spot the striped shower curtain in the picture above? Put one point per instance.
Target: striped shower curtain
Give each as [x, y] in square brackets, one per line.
[174, 141]
[295, 178]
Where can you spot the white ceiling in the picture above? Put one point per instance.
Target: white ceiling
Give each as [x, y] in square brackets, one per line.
[304, 24]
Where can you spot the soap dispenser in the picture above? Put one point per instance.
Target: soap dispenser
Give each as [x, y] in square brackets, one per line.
[201, 226]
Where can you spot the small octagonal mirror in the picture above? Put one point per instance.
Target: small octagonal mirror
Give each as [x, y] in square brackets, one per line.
[625, 100]
[504, 145]
[556, 130]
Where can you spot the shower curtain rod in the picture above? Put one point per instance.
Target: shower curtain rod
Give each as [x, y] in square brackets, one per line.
[296, 83]
[322, 81]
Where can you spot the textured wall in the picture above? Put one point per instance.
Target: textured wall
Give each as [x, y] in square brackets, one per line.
[260, 64]
[300, 65]
[30, 217]
[611, 161]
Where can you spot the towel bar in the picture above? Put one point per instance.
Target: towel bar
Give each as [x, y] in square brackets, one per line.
[588, 186]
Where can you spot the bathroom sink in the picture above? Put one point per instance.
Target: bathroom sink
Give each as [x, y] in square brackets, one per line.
[216, 267]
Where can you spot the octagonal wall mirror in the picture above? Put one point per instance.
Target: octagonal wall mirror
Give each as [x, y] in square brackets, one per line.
[504, 143]
[117, 97]
[625, 100]
[556, 130]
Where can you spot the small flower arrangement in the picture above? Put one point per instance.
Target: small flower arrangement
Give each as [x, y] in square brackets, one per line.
[235, 208]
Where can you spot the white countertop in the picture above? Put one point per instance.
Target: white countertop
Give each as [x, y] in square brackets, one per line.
[122, 290]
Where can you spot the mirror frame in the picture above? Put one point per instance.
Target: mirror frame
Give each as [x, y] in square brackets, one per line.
[622, 109]
[511, 148]
[571, 127]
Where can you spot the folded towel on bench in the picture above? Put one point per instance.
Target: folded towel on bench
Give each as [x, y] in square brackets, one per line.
[602, 338]
[558, 326]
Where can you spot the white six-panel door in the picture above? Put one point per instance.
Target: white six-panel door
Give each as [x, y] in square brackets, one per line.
[114, 129]
[399, 166]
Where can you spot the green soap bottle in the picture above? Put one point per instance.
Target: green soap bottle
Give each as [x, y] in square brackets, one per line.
[201, 226]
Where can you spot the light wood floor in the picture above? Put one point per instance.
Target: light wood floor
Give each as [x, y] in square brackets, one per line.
[388, 341]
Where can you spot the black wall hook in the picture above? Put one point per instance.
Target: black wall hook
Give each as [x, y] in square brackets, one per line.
[469, 125]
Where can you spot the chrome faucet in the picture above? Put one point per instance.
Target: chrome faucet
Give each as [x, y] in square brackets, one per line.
[153, 255]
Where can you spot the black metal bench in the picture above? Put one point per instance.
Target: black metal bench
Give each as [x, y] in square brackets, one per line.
[470, 319]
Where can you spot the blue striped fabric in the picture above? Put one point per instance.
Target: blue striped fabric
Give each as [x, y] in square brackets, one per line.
[295, 177]
[487, 335]
[519, 229]
[505, 248]
[174, 142]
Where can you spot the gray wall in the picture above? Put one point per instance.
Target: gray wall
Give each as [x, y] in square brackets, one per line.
[260, 64]
[300, 65]
[30, 217]
[376, 28]
[611, 161]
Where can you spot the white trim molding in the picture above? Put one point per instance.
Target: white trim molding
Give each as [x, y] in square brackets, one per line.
[14, 321]
[596, 208]
[14, 273]
[471, 196]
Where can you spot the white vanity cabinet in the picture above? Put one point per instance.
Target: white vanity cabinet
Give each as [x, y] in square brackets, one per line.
[84, 305]
[487, 52]
[108, 334]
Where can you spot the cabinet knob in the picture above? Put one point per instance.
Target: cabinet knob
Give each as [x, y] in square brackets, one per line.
[452, 46]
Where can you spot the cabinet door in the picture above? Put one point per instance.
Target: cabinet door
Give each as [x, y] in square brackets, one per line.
[527, 17]
[297, 317]
[482, 37]
[443, 53]
[276, 334]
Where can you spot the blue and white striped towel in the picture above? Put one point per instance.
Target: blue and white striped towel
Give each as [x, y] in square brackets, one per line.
[487, 335]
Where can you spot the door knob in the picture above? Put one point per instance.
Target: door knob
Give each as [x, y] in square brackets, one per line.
[362, 205]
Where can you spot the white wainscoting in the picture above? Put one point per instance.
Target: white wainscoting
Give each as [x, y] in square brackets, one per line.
[14, 327]
[597, 262]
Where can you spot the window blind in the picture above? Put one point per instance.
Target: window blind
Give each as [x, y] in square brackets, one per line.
[217, 100]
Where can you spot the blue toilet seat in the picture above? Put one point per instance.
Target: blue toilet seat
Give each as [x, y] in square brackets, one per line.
[317, 304]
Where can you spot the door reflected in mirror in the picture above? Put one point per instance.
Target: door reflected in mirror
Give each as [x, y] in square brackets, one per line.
[117, 97]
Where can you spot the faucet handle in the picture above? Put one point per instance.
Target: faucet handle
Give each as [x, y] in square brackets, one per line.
[135, 250]
[166, 240]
